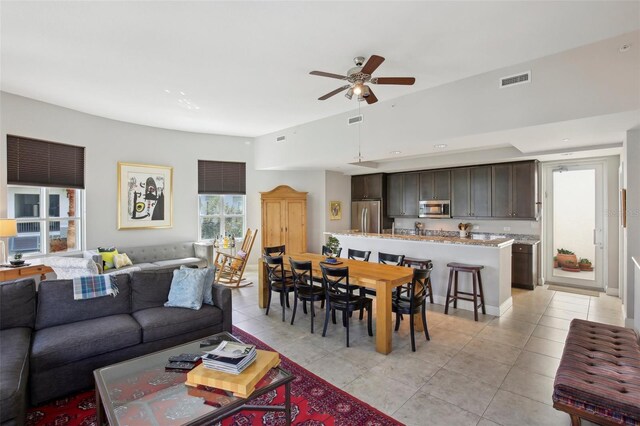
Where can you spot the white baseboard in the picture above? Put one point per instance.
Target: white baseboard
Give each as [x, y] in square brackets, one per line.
[613, 292]
[468, 306]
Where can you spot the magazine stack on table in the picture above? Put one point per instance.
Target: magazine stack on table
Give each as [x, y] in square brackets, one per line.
[230, 357]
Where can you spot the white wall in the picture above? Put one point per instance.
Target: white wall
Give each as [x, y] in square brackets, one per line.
[107, 142]
[338, 188]
[631, 233]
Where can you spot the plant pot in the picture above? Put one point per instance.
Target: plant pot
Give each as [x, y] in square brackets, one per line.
[564, 258]
[586, 267]
[555, 264]
[570, 269]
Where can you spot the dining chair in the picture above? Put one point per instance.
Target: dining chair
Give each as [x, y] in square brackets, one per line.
[304, 289]
[358, 254]
[412, 303]
[340, 297]
[326, 250]
[278, 281]
[274, 251]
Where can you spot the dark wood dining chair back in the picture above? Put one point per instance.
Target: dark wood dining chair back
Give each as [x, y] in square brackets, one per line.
[304, 289]
[326, 250]
[359, 255]
[274, 251]
[391, 259]
[278, 281]
[340, 296]
[413, 302]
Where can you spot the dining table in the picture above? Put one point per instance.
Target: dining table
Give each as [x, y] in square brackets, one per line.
[382, 278]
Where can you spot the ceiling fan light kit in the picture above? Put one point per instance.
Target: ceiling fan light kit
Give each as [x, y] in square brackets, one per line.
[358, 76]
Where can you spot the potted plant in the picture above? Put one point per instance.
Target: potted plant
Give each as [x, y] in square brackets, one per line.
[585, 264]
[333, 244]
[17, 259]
[570, 266]
[566, 255]
[555, 262]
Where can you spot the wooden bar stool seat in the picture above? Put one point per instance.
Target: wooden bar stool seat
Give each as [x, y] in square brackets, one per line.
[416, 263]
[476, 294]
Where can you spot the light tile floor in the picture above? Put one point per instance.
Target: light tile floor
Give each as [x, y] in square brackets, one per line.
[496, 371]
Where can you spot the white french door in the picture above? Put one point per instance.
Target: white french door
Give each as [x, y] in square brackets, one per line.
[574, 224]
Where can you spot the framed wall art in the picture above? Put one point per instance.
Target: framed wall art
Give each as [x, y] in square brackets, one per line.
[335, 210]
[145, 196]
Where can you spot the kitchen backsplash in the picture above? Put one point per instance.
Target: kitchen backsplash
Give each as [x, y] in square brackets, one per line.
[479, 226]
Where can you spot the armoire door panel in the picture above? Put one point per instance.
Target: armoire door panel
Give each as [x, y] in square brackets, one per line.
[273, 232]
[295, 227]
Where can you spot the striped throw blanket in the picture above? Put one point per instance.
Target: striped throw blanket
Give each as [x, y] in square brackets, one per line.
[94, 286]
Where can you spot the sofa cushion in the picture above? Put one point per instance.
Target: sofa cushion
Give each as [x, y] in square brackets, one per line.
[161, 323]
[14, 370]
[150, 289]
[64, 344]
[56, 305]
[18, 303]
[174, 263]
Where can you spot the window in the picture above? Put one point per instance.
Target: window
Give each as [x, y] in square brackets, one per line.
[50, 215]
[45, 194]
[221, 199]
[221, 215]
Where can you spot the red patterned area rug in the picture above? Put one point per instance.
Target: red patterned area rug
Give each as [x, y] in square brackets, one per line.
[314, 402]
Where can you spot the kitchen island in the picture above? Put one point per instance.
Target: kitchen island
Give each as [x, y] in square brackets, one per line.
[493, 253]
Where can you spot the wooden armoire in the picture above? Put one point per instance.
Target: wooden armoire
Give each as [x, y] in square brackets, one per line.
[284, 219]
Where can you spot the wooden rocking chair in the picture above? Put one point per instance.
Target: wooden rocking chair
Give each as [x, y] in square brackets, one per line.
[231, 268]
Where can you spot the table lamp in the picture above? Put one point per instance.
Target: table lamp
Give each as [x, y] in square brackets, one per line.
[8, 228]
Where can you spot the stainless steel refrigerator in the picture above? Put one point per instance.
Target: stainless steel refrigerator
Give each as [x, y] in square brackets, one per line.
[366, 216]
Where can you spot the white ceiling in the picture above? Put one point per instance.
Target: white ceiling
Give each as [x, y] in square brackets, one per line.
[245, 65]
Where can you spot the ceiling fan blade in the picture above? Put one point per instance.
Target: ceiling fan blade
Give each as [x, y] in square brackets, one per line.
[328, 74]
[335, 92]
[371, 99]
[394, 80]
[372, 64]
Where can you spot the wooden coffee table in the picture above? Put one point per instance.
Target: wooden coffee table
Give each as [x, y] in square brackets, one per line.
[141, 392]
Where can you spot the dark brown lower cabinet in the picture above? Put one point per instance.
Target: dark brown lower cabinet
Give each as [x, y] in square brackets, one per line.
[524, 266]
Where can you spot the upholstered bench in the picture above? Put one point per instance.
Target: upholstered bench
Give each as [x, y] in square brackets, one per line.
[599, 375]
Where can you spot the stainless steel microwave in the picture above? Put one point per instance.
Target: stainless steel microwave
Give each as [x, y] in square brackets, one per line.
[434, 208]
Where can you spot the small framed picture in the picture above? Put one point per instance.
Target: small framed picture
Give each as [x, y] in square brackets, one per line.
[145, 196]
[335, 210]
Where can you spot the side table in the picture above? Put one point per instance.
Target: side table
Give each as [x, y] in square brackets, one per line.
[35, 268]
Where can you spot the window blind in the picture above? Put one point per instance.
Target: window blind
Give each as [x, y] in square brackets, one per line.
[40, 163]
[221, 177]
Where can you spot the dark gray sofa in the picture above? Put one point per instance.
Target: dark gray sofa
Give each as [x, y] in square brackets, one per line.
[17, 319]
[71, 338]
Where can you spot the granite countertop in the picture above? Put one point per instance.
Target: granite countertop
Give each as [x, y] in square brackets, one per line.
[488, 241]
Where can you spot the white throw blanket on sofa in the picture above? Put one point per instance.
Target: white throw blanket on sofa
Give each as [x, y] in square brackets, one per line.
[71, 267]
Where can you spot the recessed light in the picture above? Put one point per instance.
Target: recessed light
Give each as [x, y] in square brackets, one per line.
[625, 47]
[395, 152]
[565, 140]
[440, 145]
[167, 91]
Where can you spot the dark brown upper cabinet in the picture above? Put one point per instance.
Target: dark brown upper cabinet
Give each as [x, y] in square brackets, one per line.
[402, 190]
[435, 185]
[365, 187]
[514, 190]
[471, 192]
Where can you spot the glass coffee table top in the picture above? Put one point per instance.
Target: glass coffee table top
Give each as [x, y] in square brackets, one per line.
[141, 392]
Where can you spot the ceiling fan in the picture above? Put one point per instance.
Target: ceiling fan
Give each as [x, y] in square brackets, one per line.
[358, 76]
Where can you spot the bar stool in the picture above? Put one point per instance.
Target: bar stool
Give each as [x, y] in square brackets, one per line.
[416, 263]
[477, 287]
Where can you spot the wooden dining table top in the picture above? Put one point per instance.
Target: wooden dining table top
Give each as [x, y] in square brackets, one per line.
[366, 274]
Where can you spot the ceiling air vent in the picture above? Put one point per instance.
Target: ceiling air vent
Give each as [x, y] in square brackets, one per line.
[513, 80]
[355, 120]
[280, 138]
